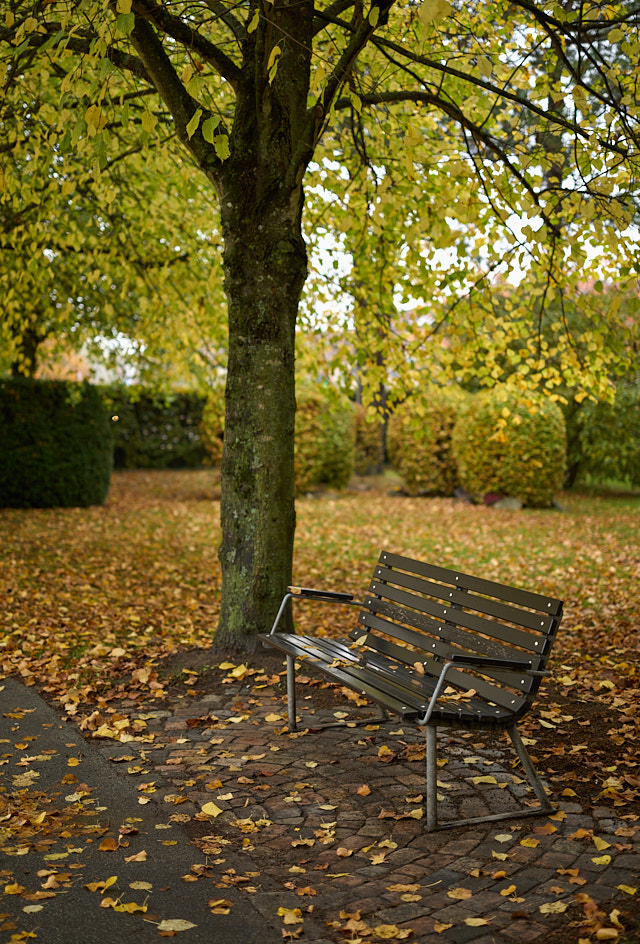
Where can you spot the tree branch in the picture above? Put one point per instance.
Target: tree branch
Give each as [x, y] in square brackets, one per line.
[189, 38]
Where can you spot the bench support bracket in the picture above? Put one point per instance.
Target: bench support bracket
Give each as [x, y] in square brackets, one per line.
[544, 809]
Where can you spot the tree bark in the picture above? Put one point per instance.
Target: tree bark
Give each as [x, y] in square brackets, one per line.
[265, 268]
[265, 263]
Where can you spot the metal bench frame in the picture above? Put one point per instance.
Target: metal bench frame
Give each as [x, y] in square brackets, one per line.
[441, 649]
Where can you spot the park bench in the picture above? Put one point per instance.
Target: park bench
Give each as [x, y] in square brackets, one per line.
[441, 649]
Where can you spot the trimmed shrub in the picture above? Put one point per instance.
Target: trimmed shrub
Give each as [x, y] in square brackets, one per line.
[57, 449]
[153, 431]
[212, 427]
[419, 442]
[369, 442]
[324, 441]
[512, 444]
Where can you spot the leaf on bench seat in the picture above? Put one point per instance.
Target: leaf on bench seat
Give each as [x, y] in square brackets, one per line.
[419, 667]
[361, 640]
[453, 694]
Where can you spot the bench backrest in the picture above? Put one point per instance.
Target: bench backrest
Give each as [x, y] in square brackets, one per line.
[417, 612]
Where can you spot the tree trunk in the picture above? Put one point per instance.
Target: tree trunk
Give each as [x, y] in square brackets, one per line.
[265, 268]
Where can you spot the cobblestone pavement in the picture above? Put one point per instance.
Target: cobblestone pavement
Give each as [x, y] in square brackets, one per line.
[331, 840]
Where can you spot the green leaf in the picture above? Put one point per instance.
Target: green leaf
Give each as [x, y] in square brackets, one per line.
[209, 126]
[125, 23]
[192, 127]
[253, 25]
[433, 10]
[221, 145]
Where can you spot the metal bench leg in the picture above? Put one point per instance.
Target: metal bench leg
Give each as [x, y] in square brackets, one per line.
[530, 771]
[432, 779]
[291, 693]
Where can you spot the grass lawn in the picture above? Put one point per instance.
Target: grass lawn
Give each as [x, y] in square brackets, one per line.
[93, 596]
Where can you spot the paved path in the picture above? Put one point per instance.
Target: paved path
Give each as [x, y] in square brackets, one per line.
[316, 835]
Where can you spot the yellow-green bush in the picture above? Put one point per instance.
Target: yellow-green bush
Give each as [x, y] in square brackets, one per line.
[212, 427]
[325, 441]
[419, 442]
[369, 442]
[511, 443]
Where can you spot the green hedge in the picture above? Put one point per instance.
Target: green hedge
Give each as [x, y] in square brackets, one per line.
[419, 442]
[57, 448]
[513, 444]
[154, 431]
[324, 441]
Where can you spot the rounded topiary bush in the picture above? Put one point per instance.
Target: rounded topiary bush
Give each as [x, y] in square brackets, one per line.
[324, 440]
[56, 447]
[511, 443]
[419, 442]
[369, 442]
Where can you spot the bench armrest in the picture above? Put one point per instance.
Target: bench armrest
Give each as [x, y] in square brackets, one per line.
[306, 593]
[320, 594]
[459, 659]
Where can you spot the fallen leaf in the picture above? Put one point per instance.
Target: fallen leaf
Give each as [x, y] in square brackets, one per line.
[138, 857]
[290, 915]
[175, 924]
[460, 893]
[211, 810]
[554, 907]
[627, 889]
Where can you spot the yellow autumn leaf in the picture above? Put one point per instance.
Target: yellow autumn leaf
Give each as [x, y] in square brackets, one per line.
[554, 907]
[460, 894]
[291, 915]
[439, 927]
[390, 932]
[627, 889]
[476, 922]
[531, 843]
[211, 809]
[601, 844]
[14, 889]
[508, 891]
[602, 860]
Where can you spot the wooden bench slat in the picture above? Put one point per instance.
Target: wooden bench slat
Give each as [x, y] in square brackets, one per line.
[515, 595]
[442, 631]
[441, 651]
[464, 680]
[454, 596]
[510, 635]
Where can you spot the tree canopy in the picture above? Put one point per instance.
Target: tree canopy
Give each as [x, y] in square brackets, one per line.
[441, 145]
